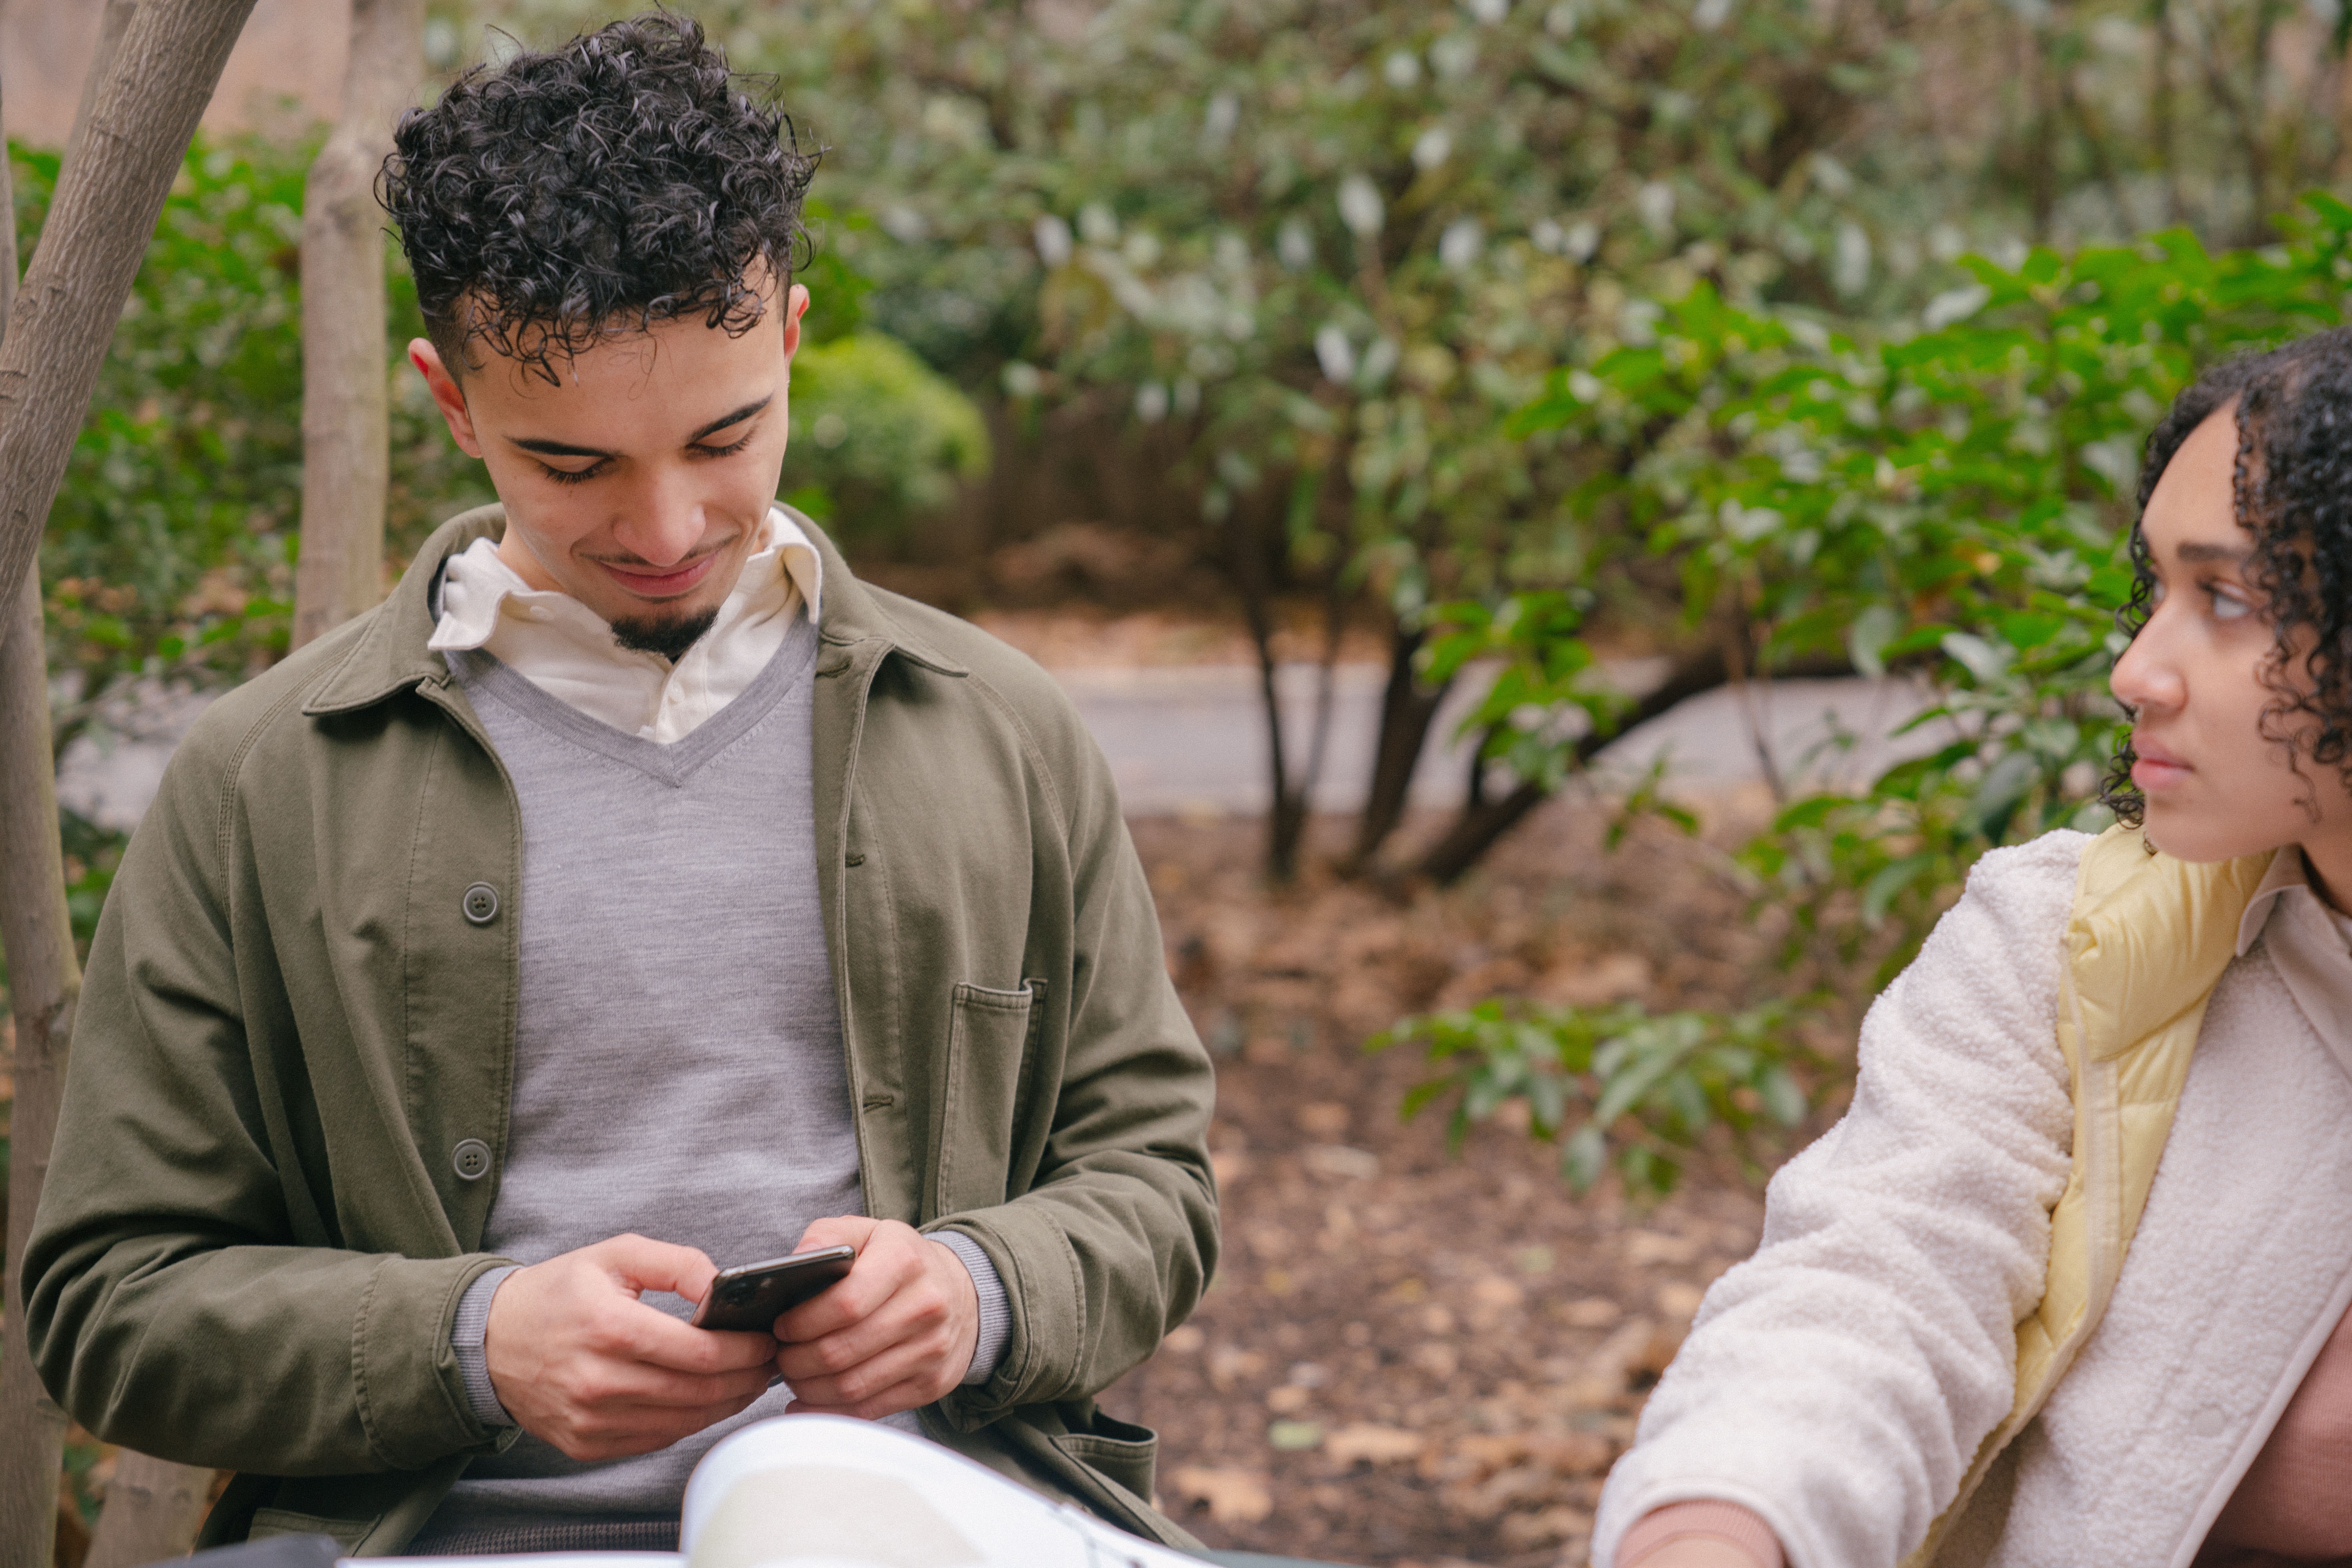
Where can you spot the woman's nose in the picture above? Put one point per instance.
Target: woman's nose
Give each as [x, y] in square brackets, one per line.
[2144, 679]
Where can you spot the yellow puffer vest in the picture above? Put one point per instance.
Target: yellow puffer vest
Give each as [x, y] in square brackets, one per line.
[2146, 944]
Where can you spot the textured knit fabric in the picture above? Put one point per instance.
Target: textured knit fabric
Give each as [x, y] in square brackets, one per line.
[678, 1052]
[467, 1333]
[1727, 1523]
[995, 1307]
[1838, 1382]
[617, 1533]
[566, 649]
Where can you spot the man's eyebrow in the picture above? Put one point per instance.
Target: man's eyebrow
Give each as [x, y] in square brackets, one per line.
[558, 449]
[2231, 555]
[563, 449]
[737, 417]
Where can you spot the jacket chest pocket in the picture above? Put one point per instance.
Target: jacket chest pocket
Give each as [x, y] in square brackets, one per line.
[991, 1039]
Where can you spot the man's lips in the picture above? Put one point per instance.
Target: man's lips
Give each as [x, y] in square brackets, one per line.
[657, 583]
[2154, 768]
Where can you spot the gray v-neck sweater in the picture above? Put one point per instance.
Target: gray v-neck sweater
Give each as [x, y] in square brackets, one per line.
[678, 1068]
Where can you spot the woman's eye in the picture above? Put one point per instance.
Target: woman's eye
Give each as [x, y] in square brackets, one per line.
[2227, 605]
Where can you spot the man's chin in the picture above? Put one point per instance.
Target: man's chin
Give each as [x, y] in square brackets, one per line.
[668, 635]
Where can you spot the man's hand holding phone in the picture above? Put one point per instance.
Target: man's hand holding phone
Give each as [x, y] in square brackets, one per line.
[580, 1362]
[896, 1333]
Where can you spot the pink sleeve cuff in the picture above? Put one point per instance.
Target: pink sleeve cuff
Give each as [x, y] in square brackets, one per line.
[1725, 1522]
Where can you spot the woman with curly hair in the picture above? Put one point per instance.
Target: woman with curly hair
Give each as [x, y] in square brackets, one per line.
[2069, 1284]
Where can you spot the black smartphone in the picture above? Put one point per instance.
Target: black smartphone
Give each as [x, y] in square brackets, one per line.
[753, 1295]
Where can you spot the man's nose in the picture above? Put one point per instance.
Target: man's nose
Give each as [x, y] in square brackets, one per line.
[666, 523]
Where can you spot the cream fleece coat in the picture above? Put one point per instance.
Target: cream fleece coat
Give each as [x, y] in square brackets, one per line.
[1839, 1382]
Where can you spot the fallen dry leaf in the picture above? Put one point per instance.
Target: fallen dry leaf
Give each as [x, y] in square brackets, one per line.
[1289, 1400]
[1232, 1496]
[1438, 1359]
[1573, 1453]
[1544, 1527]
[1324, 1120]
[1373, 1443]
[1591, 1312]
[1340, 1163]
[1228, 1365]
[1647, 1249]
[1497, 1292]
[1679, 1299]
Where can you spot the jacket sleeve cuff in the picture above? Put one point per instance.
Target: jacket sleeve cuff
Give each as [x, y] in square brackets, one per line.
[996, 1306]
[466, 1332]
[1724, 1522]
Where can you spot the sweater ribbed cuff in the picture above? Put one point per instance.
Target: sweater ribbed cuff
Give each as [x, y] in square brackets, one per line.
[996, 1306]
[1725, 1522]
[466, 1335]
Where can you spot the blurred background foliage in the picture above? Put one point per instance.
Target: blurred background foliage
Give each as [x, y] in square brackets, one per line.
[1769, 337]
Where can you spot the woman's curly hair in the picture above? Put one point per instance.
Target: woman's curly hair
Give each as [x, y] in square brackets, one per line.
[2293, 493]
[620, 181]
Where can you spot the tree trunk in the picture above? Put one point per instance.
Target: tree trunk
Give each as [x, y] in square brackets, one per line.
[153, 1509]
[1407, 710]
[346, 412]
[2041, 150]
[44, 982]
[152, 74]
[155, 90]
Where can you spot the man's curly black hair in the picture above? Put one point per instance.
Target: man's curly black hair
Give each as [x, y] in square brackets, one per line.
[622, 180]
[2292, 492]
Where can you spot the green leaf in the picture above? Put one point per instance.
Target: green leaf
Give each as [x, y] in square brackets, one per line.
[1866, 641]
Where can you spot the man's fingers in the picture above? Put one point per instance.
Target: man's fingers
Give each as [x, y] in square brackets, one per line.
[623, 1431]
[605, 1387]
[838, 1230]
[889, 1260]
[681, 1348]
[641, 1263]
[853, 1366]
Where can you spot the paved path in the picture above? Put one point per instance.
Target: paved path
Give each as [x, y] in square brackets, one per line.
[1191, 739]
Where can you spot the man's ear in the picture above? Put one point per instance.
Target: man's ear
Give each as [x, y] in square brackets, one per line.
[796, 304]
[448, 396]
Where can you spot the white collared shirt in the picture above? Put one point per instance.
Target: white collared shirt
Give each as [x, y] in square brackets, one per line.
[566, 649]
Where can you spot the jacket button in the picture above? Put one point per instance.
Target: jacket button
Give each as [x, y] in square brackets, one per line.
[481, 903]
[471, 1159]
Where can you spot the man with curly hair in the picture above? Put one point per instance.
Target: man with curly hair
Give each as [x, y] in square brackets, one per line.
[633, 893]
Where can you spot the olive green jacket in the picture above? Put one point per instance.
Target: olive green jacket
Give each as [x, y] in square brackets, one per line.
[255, 1228]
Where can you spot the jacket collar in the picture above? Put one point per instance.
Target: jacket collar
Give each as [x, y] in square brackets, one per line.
[389, 656]
[2286, 874]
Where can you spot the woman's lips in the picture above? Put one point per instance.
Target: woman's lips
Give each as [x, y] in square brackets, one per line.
[662, 585]
[2154, 768]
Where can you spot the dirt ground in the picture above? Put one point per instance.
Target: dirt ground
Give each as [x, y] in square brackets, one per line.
[1409, 1358]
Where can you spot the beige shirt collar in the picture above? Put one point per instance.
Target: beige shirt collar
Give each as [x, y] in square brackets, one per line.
[566, 649]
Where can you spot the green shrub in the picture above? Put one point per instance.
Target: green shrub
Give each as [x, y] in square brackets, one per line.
[1948, 498]
[878, 437]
